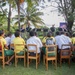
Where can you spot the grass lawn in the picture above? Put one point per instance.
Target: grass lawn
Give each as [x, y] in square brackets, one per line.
[21, 70]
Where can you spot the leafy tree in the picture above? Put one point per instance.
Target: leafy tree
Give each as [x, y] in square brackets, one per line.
[67, 8]
[31, 14]
[3, 13]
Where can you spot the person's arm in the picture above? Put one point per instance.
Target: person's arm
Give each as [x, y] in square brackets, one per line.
[5, 46]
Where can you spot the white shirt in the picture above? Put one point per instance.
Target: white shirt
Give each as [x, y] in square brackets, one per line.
[12, 38]
[57, 39]
[8, 40]
[35, 40]
[62, 39]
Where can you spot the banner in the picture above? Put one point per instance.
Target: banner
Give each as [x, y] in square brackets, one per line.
[63, 25]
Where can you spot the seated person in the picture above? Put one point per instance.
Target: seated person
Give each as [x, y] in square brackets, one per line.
[8, 39]
[73, 39]
[34, 40]
[5, 47]
[12, 38]
[19, 40]
[48, 41]
[63, 39]
[73, 44]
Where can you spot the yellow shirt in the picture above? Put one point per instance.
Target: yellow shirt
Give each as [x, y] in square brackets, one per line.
[44, 39]
[73, 40]
[19, 40]
[3, 41]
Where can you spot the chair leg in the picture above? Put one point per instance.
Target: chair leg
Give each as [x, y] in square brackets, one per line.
[3, 63]
[39, 58]
[44, 59]
[55, 64]
[36, 63]
[60, 62]
[46, 64]
[27, 62]
[24, 62]
[16, 60]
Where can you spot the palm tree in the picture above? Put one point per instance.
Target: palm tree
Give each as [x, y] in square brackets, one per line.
[30, 3]
[32, 14]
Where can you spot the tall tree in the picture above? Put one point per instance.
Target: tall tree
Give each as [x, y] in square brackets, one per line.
[9, 17]
[31, 13]
[3, 13]
[67, 8]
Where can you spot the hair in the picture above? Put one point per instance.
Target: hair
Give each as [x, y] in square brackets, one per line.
[60, 29]
[1, 32]
[32, 33]
[9, 34]
[73, 35]
[17, 34]
[67, 34]
[57, 33]
[49, 34]
[62, 32]
[35, 33]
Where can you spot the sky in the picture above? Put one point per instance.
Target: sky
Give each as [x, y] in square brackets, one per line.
[51, 15]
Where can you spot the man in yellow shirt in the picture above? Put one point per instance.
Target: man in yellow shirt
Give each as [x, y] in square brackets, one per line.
[46, 41]
[5, 47]
[18, 40]
[73, 44]
[73, 39]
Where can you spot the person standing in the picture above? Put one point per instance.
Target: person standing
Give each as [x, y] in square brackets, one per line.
[53, 29]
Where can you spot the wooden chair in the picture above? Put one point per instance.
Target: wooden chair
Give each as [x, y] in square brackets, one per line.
[65, 56]
[36, 56]
[50, 55]
[2, 54]
[19, 56]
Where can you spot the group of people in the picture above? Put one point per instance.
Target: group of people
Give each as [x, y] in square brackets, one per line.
[59, 39]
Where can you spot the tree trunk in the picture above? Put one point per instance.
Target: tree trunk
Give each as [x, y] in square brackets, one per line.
[69, 26]
[18, 5]
[9, 16]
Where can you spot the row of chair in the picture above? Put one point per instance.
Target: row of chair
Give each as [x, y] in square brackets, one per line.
[50, 55]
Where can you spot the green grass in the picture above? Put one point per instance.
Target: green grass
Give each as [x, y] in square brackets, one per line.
[21, 70]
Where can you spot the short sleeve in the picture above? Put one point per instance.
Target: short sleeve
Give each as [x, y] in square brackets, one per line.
[4, 41]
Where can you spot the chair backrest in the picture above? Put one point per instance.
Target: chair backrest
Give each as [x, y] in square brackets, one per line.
[17, 47]
[32, 48]
[64, 53]
[52, 50]
[1, 49]
[49, 41]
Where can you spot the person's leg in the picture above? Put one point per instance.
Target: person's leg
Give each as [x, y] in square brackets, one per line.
[8, 61]
[9, 53]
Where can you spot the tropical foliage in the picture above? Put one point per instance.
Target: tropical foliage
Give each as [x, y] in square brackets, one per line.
[32, 14]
